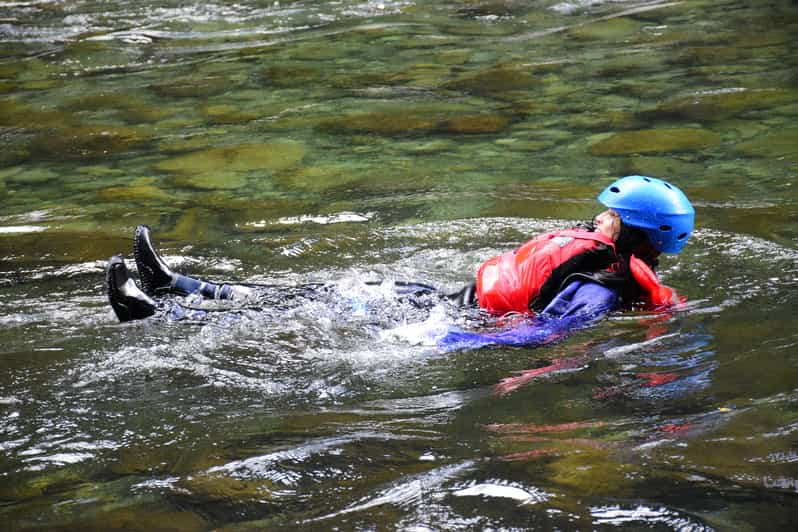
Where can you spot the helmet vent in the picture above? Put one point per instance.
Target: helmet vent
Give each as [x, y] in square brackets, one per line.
[615, 189]
[681, 237]
[666, 184]
[665, 228]
[647, 180]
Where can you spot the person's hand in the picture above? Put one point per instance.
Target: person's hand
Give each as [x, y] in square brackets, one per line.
[659, 295]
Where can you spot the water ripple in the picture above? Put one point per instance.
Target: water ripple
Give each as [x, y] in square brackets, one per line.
[645, 516]
[408, 491]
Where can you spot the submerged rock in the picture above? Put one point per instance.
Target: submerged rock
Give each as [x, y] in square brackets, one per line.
[143, 113]
[88, 142]
[69, 242]
[481, 123]
[534, 107]
[139, 191]
[217, 489]
[191, 226]
[13, 151]
[19, 115]
[358, 80]
[163, 460]
[454, 56]
[227, 114]
[668, 167]
[189, 87]
[31, 175]
[656, 141]
[403, 122]
[323, 177]
[768, 37]
[433, 146]
[614, 29]
[290, 75]
[231, 167]
[592, 471]
[183, 144]
[145, 517]
[10, 70]
[307, 50]
[717, 105]
[612, 120]
[496, 80]
[216, 180]
[625, 65]
[41, 84]
[711, 55]
[419, 76]
[241, 158]
[774, 145]
[406, 122]
[51, 481]
[131, 109]
[521, 145]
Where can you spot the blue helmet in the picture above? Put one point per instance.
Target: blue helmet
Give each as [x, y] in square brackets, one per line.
[660, 209]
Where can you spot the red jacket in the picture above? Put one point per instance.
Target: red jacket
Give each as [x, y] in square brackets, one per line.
[512, 282]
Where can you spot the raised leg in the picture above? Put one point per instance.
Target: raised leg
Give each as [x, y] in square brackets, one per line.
[158, 278]
[127, 300]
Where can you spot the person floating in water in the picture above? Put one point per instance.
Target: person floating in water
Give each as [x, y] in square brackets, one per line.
[560, 280]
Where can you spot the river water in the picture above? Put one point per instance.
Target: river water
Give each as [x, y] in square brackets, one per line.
[308, 141]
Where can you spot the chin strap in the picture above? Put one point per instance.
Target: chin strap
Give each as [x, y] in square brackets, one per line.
[657, 293]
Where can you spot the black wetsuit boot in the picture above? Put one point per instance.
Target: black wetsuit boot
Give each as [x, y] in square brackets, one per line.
[155, 275]
[127, 300]
[157, 278]
[466, 297]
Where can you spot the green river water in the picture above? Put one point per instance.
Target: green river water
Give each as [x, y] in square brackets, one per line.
[304, 141]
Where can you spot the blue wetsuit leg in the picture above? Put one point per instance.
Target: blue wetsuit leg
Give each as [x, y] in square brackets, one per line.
[582, 298]
[579, 304]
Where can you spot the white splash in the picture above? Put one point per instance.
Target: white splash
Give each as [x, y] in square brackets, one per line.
[21, 229]
[336, 218]
[506, 491]
[426, 332]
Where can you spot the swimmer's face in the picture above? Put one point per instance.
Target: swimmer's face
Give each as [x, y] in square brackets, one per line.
[608, 223]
